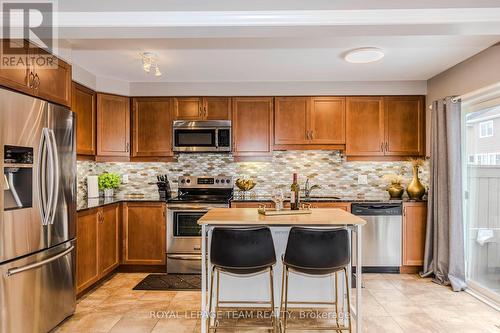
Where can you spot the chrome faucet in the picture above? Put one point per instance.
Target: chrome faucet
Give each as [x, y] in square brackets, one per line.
[308, 190]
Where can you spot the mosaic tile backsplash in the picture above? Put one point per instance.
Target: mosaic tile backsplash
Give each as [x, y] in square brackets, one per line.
[328, 169]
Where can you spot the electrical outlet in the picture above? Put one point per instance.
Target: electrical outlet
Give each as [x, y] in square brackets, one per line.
[362, 179]
[125, 178]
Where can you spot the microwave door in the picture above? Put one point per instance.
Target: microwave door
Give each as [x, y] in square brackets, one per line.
[195, 139]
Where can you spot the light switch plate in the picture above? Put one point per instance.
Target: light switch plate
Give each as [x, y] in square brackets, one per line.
[362, 179]
[125, 178]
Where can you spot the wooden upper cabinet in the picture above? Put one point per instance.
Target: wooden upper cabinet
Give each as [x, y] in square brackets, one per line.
[151, 127]
[84, 105]
[113, 125]
[291, 120]
[327, 120]
[54, 84]
[404, 125]
[202, 108]
[107, 239]
[364, 126]
[87, 271]
[252, 126]
[414, 230]
[144, 233]
[188, 108]
[50, 83]
[309, 122]
[16, 78]
[217, 108]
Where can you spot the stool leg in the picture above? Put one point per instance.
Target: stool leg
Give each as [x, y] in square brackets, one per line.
[286, 301]
[336, 277]
[217, 300]
[210, 300]
[271, 283]
[348, 299]
[281, 296]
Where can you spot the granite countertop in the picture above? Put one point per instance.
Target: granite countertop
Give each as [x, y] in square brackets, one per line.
[332, 198]
[88, 203]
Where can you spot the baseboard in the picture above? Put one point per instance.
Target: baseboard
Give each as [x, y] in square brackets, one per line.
[142, 269]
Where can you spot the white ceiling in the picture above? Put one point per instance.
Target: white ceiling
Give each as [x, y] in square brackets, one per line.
[268, 41]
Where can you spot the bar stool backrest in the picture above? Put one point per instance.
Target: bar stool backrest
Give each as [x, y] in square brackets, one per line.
[242, 248]
[317, 249]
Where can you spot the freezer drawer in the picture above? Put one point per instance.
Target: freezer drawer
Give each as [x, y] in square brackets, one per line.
[38, 292]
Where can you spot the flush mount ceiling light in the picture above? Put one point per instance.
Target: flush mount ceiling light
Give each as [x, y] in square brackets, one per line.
[150, 64]
[364, 55]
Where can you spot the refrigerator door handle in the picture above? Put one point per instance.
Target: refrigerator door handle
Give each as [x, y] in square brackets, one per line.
[17, 270]
[54, 196]
[42, 176]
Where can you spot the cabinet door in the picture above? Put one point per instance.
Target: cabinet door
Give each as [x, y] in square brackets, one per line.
[404, 125]
[144, 233]
[87, 272]
[54, 84]
[113, 125]
[217, 108]
[341, 205]
[414, 225]
[327, 120]
[364, 126]
[151, 127]
[252, 126]
[188, 108]
[83, 104]
[16, 77]
[251, 204]
[291, 120]
[107, 238]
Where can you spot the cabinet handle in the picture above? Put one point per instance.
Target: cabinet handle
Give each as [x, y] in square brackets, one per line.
[382, 146]
[128, 147]
[308, 135]
[386, 146]
[31, 78]
[312, 135]
[199, 112]
[205, 110]
[36, 82]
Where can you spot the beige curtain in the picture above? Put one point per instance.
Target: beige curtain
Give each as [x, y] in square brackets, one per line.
[444, 246]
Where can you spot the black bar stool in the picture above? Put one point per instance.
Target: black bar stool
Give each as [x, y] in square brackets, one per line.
[241, 251]
[315, 251]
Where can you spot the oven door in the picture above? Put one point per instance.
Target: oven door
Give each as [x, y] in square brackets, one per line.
[195, 139]
[183, 231]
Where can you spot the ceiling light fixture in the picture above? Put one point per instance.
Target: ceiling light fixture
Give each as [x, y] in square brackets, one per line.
[364, 55]
[149, 63]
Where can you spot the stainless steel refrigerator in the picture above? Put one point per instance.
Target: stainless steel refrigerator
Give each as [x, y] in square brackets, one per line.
[37, 213]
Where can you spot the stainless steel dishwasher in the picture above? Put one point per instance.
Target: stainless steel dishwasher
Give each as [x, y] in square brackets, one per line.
[382, 236]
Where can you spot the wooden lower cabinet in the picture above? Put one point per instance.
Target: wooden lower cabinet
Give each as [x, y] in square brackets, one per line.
[107, 236]
[341, 205]
[414, 229]
[96, 244]
[251, 204]
[144, 233]
[87, 270]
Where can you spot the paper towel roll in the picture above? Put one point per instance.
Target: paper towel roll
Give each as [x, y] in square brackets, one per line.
[92, 187]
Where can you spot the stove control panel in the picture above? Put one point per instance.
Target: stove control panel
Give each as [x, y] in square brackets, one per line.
[205, 182]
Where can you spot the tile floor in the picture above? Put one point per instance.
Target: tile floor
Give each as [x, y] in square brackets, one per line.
[392, 303]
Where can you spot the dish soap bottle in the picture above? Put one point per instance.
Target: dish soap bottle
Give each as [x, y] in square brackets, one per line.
[295, 194]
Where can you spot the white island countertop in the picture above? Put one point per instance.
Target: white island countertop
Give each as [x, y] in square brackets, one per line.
[250, 216]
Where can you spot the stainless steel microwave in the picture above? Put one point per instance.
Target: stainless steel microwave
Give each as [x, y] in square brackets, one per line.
[202, 136]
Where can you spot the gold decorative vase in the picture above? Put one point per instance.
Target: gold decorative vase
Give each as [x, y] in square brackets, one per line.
[396, 191]
[415, 189]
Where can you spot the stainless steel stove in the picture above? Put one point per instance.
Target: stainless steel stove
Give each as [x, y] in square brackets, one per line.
[195, 196]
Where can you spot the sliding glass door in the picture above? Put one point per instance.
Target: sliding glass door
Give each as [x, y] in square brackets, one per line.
[481, 130]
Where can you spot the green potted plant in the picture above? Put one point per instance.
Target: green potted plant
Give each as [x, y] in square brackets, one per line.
[109, 181]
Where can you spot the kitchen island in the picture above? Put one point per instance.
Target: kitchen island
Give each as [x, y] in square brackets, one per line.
[303, 288]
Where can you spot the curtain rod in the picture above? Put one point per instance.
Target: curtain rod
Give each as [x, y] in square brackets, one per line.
[454, 99]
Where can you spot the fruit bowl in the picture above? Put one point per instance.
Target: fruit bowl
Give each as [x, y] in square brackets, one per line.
[245, 184]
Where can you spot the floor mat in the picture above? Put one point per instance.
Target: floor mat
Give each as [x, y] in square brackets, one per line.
[170, 282]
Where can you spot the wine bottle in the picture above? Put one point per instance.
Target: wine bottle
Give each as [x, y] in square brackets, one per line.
[294, 194]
